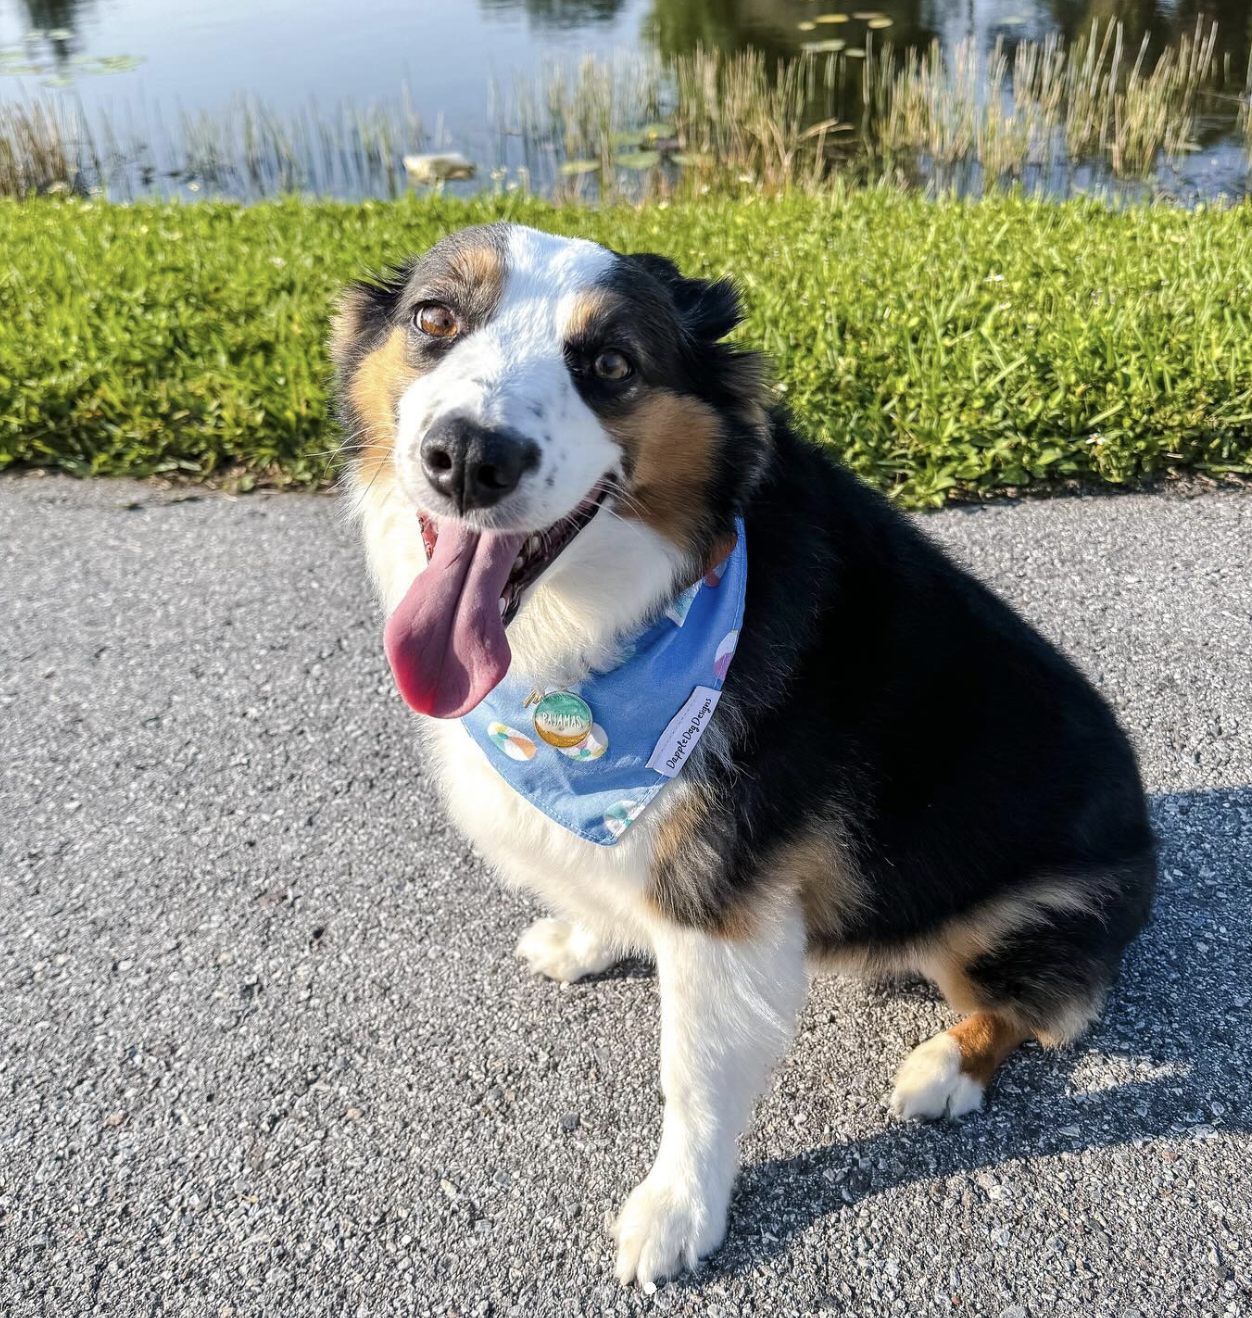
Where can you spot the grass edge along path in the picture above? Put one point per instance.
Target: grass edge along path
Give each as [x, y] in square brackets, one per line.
[944, 349]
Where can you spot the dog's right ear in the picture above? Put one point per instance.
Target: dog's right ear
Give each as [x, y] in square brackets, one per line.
[365, 311]
[708, 309]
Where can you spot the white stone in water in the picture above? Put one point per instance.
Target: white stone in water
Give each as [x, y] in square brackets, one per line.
[437, 168]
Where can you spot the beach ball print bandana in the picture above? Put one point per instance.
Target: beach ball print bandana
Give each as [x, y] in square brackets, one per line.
[592, 757]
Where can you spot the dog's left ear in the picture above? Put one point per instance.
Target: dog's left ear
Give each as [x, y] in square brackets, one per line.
[365, 311]
[709, 309]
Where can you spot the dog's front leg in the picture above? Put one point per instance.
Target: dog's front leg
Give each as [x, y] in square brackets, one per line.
[728, 1009]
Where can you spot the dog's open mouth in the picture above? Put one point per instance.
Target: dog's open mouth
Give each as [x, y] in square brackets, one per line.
[539, 550]
[445, 640]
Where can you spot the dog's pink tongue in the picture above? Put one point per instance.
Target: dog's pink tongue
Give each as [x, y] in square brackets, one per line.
[445, 641]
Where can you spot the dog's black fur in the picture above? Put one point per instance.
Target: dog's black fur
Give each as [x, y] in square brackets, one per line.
[953, 757]
[957, 755]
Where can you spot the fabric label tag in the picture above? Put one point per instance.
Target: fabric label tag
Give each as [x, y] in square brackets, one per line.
[683, 731]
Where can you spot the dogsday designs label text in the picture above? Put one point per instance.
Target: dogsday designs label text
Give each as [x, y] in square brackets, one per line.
[683, 731]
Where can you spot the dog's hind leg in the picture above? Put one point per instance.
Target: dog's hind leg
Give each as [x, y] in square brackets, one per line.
[948, 1075]
[1035, 964]
[728, 1010]
[564, 951]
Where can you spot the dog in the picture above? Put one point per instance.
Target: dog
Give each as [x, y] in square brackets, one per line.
[551, 448]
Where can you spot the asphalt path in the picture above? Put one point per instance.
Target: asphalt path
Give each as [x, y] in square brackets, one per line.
[265, 1050]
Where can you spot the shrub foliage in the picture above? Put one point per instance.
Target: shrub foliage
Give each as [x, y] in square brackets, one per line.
[942, 348]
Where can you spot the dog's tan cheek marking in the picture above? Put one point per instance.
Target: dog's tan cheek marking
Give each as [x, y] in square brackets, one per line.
[985, 1039]
[671, 441]
[374, 392]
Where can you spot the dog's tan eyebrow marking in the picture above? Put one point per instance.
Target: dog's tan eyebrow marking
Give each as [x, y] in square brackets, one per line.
[592, 307]
[482, 266]
[468, 272]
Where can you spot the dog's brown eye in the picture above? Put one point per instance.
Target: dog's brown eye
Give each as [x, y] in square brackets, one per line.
[613, 365]
[436, 320]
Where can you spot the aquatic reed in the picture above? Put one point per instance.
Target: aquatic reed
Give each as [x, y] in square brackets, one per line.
[638, 127]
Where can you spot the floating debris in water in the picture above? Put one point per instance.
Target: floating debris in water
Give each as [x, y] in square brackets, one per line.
[440, 167]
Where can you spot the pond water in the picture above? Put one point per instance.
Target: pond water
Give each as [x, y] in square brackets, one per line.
[142, 65]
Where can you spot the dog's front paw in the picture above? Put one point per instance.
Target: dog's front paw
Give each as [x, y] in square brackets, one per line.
[663, 1228]
[565, 952]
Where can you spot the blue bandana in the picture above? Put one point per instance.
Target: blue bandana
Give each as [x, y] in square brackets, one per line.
[592, 757]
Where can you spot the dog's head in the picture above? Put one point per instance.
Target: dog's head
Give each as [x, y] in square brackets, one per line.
[557, 415]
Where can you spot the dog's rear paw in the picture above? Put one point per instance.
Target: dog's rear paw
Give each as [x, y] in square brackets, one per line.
[565, 952]
[930, 1083]
[663, 1228]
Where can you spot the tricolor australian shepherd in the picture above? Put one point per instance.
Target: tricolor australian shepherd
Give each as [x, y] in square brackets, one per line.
[548, 443]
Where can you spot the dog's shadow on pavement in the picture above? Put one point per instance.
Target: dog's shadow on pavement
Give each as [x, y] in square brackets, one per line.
[1178, 1030]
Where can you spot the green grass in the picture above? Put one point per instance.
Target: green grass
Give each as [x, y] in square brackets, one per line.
[942, 349]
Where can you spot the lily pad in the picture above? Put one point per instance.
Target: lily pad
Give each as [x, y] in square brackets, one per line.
[60, 34]
[569, 167]
[806, 27]
[649, 132]
[831, 47]
[119, 63]
[20, 70]
[694, 159]
[854, 52]
[639, 159]
[878, 23]
[58, 81]
[832, 18]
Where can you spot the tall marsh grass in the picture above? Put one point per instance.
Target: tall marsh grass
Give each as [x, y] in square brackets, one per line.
[637, 126]
[1092, 102]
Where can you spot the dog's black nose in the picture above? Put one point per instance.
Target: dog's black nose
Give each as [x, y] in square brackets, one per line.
[472, 465]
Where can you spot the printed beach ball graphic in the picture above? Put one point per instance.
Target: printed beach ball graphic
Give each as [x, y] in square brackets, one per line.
[511, 742]
[713, 577]
[563, 719]
[678, 610]
[592, 746]
[618, 818]
[725, 652]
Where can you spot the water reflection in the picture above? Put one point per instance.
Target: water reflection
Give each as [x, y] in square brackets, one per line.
[53, 15]
[678, 26]
[558, 14]
[774, 26]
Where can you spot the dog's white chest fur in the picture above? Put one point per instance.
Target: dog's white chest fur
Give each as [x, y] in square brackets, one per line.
[599, 886]
[602, 887]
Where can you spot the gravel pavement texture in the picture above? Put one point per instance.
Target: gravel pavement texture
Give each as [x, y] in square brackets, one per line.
[265, 1050]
